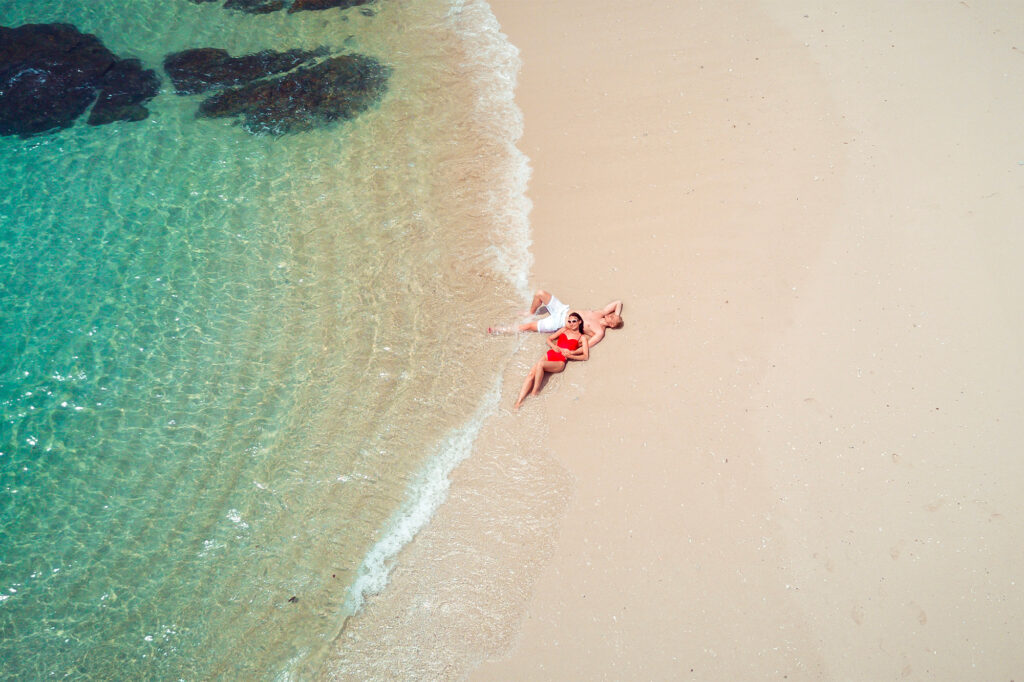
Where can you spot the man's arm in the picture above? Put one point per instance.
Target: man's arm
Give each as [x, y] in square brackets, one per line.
[583, 352]
[613, 307]
[596, 338]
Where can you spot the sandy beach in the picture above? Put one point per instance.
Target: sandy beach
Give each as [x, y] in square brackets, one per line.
[800, 458]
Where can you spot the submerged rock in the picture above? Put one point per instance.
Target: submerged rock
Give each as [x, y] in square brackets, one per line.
[51, 73]
[315, 5]
[337, 88]
[255, 6]
[126, 85]
[199, 70]
[268, 6]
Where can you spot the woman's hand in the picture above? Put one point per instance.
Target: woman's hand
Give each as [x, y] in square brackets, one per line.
[553, 339]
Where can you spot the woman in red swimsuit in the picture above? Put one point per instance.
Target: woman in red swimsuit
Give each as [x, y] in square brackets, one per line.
[568, 343]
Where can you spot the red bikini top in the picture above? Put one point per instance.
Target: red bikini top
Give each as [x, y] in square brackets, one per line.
[567, 343]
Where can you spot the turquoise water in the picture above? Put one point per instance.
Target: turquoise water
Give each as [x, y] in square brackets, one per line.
[231, 366]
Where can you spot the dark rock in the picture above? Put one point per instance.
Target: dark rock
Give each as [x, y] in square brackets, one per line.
[255, 6]
[337, 88]
[195, 71]
[315, 5]
[268, 6]
[126, 85]
[50, 74]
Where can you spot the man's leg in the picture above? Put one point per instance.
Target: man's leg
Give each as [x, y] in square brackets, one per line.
[540, 298]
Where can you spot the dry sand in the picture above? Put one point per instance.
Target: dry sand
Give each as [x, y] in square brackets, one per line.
[802, 456]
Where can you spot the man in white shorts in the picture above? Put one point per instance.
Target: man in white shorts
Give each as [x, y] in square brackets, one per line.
[595, 322]
[557, 312]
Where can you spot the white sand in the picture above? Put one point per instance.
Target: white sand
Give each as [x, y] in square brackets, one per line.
[802, 455]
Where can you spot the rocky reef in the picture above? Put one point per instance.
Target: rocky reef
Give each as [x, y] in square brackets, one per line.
[51, 73]
[268, 6]
[316, 5]
[255, 6]
[126, 85]
[205, 68]
[338, 88]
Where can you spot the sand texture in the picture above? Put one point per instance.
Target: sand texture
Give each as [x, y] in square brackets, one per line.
[802, 456]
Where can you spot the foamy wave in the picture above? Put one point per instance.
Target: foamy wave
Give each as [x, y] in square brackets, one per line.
[493, 73]
[496, 110]
[426, 493]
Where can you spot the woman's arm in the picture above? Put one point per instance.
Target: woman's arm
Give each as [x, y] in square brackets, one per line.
[553, 338]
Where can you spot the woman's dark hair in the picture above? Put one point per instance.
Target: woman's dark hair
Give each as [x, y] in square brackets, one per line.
[578, 317]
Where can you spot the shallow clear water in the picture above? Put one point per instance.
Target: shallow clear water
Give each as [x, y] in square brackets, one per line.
[234, 368]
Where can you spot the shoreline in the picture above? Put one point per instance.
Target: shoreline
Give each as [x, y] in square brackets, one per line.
[455, 587]
[783, 464]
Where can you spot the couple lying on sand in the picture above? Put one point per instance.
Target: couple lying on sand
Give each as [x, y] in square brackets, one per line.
[572, 335]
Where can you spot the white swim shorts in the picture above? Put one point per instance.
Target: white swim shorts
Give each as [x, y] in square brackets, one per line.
[557, 312]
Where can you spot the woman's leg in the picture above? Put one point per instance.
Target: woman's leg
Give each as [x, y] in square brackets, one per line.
[535, 379]
[526, 387]
[549, 366]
